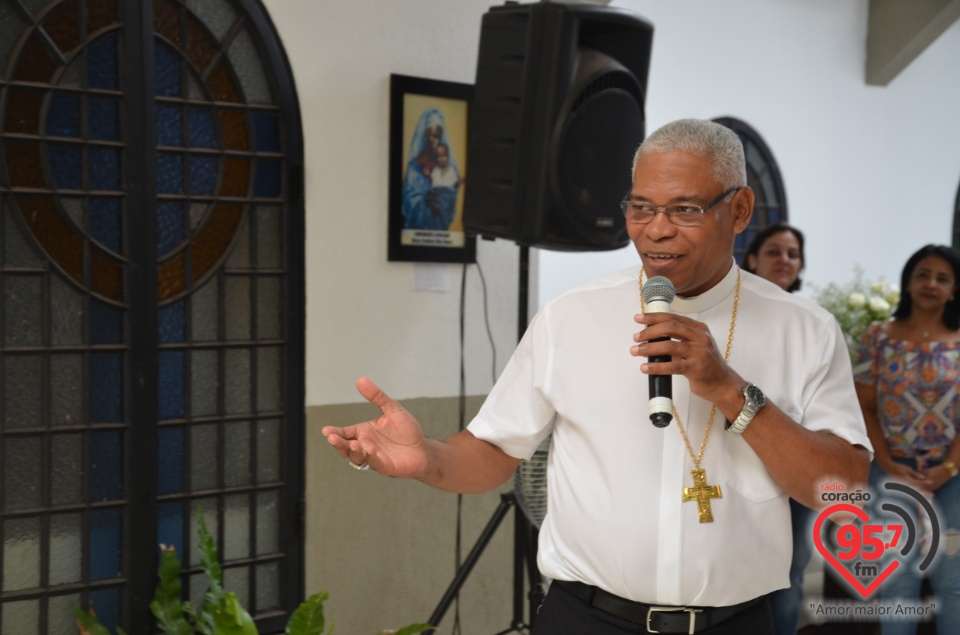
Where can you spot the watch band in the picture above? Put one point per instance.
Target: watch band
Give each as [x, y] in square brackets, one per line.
[740, 423]
[751, 405]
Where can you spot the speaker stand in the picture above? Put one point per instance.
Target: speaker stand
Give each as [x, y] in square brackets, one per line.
[524, 559]
[524, 533]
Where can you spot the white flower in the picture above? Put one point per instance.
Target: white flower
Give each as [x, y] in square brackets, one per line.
[893, 296]
[879, 305]
[857, 304]
[856, 300]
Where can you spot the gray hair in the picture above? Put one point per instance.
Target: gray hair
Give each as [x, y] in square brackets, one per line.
[705, 138]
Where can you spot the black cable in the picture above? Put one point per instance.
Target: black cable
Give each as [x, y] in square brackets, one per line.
[486, 320]
[462, 414]
[461, 424]
[463, 370]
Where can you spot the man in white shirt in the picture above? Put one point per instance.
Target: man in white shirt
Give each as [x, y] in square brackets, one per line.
[678, 529]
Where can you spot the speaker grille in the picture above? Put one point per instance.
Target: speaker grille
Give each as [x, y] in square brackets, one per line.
[615, 80]
[602, 127]
[530, 484]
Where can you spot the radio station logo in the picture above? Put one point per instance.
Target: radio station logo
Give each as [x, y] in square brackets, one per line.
[865, 551]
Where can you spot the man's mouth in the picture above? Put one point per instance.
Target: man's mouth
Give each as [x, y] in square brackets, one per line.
[661, 258]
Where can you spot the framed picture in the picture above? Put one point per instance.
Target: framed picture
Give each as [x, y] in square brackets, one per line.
[428, 170]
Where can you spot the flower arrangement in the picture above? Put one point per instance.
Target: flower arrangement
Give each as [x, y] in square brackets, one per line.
[858, 304]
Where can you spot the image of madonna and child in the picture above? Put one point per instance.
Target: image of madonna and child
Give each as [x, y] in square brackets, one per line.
[432, 179]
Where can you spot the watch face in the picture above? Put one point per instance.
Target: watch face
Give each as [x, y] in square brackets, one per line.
[755, 395]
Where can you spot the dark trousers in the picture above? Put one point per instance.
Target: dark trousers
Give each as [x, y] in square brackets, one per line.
[564, 614]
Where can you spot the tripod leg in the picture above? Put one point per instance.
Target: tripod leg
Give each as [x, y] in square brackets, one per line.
[506, 501]
[519, 558]
[524, 557]
[535, 578]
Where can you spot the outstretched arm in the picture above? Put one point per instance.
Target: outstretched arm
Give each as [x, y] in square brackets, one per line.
[393, 444]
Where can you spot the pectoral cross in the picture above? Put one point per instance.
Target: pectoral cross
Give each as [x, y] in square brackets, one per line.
[702, 493]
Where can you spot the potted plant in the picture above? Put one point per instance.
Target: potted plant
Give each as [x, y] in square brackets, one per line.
[220, 613]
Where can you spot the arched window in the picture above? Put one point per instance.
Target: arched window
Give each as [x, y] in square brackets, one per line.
[151, 306]
[763, 177]
[956, 221]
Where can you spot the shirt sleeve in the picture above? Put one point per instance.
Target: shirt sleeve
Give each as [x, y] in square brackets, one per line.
[518, 414]
[832, 404]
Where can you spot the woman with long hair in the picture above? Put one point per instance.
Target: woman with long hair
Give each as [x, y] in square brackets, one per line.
[907, 376]
[776, 253]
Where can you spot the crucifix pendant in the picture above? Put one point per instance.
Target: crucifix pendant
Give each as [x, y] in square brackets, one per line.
[702, 493]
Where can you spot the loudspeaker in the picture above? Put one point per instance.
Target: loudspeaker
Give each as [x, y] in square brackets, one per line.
[556, 116]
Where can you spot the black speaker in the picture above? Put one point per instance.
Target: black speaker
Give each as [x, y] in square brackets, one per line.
[557, 114]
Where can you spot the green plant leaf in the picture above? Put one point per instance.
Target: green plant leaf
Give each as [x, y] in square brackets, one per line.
[413, 628]
[209, 558]
[308, 618]
[206, 623]
[232, 619]
[166, 605]
[215, 596]
[87, 623]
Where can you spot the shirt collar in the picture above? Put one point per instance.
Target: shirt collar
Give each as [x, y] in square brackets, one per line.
[709, 298]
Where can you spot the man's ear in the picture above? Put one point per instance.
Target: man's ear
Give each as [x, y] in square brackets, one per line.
[742, 208]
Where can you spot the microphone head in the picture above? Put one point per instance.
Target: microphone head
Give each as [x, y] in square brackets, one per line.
[658, 289]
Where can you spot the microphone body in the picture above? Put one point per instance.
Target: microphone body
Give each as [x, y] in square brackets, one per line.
[658, 294]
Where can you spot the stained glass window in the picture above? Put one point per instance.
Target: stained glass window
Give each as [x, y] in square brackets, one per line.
[149, 295]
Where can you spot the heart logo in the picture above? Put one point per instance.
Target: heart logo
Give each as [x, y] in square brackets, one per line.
[865, 591]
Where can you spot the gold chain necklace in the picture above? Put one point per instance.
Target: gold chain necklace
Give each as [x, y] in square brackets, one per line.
[701, 492]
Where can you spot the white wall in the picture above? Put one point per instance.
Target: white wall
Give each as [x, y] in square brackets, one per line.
[382, 548]
[870, 173]
[363, 316]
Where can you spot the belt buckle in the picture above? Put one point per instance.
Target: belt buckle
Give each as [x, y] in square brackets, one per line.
[674, 609]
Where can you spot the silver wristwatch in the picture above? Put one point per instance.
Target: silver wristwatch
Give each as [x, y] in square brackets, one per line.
[753, 402]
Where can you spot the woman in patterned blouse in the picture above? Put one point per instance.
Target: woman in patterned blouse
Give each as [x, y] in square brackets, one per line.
[907, 375]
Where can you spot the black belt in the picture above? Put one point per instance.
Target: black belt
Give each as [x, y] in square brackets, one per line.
[656, 619]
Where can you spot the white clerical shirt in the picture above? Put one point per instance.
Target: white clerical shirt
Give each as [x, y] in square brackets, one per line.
[615, 515]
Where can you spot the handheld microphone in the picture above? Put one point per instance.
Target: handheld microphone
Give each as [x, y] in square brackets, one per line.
[658, 293]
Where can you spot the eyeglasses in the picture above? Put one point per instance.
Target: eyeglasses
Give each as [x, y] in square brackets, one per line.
[681, 214]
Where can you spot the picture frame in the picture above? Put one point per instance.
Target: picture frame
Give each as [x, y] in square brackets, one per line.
[428, 154]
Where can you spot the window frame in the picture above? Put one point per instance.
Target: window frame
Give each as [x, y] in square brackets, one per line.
[139, 501]
[760, 164]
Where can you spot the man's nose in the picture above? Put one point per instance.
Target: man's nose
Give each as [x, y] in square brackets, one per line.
[660, 225]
